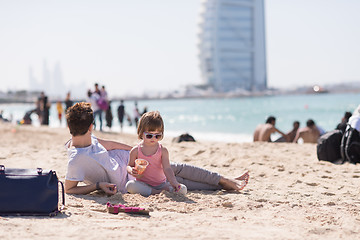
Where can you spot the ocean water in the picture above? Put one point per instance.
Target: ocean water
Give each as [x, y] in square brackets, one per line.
[230, 120]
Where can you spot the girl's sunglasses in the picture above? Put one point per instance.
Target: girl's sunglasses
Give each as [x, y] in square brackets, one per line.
[151, 135]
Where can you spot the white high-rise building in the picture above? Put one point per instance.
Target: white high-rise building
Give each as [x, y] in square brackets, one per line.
[232, 45]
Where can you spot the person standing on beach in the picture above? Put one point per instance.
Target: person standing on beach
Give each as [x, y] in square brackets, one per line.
[60, 110]
[104, 94]
[97, 90]
[68, 101]
[39, 103]
[263, 132]
[121, 114]
[158, 175]
[102, 164]
[93, 98]
[45, 110]
[109, 116]
[136, 114]
[308, 134]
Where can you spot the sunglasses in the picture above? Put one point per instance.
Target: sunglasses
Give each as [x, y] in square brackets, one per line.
[151, 135]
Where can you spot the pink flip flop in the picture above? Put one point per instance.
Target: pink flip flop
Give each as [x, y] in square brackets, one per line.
[115, 209]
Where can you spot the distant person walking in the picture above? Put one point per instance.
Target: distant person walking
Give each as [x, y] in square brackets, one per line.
[109, 116]
[121, 114]
[136, 114]
[60, 110]
[97, 90]
[102, 101]
[93, 98]
[45, 110]
[39, 103]
[103, 93]
[263, 131]
[68, 101]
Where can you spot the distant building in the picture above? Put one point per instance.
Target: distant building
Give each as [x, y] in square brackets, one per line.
[52, 81]
[232, 45]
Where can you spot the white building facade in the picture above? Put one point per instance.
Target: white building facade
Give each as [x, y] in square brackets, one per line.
[232, 45]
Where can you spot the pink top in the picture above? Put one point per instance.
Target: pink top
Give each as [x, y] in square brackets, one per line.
[154, 173]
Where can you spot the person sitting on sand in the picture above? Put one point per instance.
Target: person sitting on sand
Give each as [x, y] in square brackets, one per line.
[290, 135]
[158, 175]
[344, 121]
[308, 134]
[101, 164]
[263, 131]
[354, 122]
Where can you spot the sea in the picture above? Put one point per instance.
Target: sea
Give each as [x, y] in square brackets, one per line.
[226, 120]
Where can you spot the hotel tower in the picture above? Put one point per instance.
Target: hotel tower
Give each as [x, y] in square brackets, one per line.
[232, 45]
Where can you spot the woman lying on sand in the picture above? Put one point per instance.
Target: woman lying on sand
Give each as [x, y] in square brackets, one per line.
[101, 164]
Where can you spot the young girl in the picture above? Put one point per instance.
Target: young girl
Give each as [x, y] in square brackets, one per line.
[158, 175]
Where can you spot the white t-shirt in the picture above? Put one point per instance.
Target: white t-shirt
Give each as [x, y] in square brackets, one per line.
[354, 122]
[93, 100]
[95, 164]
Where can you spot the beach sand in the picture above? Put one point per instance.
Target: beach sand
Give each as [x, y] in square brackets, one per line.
[290, 195]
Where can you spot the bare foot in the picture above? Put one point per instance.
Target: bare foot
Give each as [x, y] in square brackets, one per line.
[245, 177]
[232, 184]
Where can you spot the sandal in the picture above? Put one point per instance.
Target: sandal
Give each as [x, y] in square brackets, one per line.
[115, 209]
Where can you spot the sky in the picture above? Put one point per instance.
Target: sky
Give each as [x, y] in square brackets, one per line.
[141, 46]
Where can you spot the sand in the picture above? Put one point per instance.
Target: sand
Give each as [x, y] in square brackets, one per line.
[291, 195]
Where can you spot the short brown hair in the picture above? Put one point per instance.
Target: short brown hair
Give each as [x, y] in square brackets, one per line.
[150, 121]
[79, 118]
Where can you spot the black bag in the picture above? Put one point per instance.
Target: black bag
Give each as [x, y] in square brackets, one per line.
[184, 138]
[328, 147]
[350, 145]
[29, 192]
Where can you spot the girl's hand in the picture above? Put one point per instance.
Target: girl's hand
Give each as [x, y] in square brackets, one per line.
[135, 173]
[176, 186]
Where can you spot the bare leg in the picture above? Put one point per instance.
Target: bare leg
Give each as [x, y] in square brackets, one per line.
[235, 184]
[245, 176]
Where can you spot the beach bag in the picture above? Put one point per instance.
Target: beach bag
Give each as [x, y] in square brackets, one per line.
[29, 192]
[328, 147]
[102, 103]
[350, 145]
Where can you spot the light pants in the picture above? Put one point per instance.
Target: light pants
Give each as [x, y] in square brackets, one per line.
[194, 178]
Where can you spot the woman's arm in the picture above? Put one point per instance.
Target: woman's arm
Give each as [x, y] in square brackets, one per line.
[71, 187]
[167, 168]
[283, 134]
[297, 136]
[112, 145]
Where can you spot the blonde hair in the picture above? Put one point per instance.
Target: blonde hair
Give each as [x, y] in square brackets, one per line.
[150, 121]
